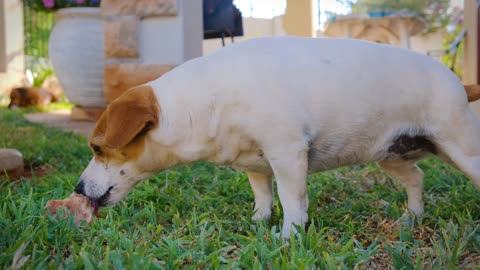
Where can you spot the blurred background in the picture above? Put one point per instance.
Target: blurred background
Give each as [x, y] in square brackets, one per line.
[82, 50]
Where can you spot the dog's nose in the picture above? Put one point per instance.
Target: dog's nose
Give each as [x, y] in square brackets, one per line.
[80, 188]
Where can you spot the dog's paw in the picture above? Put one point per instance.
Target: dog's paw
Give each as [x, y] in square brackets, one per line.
[286, 233]
[407, 219]
[261, 215]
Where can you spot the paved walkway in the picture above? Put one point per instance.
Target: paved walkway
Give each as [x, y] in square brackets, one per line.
[61, 119]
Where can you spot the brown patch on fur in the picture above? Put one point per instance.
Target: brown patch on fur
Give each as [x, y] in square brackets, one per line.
[118, 134]
[30, 96]
[120, 155]
[473, 92]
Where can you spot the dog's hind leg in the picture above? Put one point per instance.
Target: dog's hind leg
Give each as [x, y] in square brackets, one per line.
[460, 144]
[262, 189]
[408, 173]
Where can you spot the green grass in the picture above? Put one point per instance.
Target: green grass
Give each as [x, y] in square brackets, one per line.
[198, 217]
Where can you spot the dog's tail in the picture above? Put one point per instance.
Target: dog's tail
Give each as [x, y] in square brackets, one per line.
[473, 92]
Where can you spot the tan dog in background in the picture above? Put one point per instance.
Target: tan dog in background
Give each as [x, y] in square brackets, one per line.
[30, 96]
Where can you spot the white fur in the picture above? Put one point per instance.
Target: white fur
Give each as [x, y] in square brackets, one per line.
[261, 105]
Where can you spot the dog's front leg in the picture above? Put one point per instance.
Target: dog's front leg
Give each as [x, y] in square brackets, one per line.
[262, 189]
[291, 176]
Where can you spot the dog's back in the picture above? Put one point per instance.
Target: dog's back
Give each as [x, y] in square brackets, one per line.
[362, 83]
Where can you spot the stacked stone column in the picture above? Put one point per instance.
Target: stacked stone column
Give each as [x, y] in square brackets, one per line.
[144, 39]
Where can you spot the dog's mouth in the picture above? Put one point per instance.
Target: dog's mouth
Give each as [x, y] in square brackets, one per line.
[101, 201]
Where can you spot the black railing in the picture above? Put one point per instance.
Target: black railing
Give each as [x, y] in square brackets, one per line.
[37, 28]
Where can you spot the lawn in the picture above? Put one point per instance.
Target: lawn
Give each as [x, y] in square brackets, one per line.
[198, 217]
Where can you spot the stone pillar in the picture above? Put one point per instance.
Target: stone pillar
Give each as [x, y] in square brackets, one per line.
[470, 58]
[471, 46]
[298, 20]
[146, 38]
[12, 68]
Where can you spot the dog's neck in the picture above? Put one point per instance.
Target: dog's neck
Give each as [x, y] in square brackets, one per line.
[183, 130]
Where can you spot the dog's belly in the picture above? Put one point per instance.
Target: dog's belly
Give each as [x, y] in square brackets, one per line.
[324, 156]
[253, 161]
[318, 161]
[331, 161]
[332, 152]
[338, 151]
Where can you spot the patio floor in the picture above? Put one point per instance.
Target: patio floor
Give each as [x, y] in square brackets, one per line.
[61, 119]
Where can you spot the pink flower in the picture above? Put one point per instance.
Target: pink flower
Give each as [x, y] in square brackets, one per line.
[48, 3]
[80, 1]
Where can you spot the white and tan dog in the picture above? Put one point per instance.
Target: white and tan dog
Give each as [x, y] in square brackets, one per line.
[286, 107]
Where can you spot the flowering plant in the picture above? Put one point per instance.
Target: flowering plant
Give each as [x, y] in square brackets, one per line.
[51, 5]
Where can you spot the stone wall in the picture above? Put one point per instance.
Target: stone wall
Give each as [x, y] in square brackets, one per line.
[146, 38]
[11, 45]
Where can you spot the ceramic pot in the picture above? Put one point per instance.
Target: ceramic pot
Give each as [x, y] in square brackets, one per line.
[75, 49]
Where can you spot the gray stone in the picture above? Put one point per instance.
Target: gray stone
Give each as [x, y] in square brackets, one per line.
[11, 160]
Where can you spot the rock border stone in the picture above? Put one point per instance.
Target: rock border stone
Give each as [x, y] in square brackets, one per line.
[11, 161]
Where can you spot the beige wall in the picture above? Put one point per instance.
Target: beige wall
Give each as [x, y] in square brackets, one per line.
[426, 43]
[252, 27]
[299, 18]
[11, 44]
[172, 39]
[192, 29]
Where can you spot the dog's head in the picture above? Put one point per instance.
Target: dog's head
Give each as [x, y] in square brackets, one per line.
[20, 97]
[118, 144]
[29, 96]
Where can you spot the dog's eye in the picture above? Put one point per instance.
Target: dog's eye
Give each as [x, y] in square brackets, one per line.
[96, 149]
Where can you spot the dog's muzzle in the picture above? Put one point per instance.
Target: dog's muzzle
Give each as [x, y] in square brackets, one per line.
[96, 203]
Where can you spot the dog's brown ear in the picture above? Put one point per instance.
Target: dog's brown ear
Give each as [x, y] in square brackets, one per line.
[133, 112]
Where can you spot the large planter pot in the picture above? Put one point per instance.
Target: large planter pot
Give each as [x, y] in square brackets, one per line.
[75, 49]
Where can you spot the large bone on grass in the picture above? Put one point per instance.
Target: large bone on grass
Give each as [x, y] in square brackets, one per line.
[76, 204]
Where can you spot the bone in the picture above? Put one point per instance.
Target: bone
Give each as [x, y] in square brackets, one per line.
[76, 204]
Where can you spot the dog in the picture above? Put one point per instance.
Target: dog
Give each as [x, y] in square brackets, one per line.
[30, 96]
[287, 107]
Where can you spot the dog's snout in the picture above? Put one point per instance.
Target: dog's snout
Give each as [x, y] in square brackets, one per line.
[80, 188]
